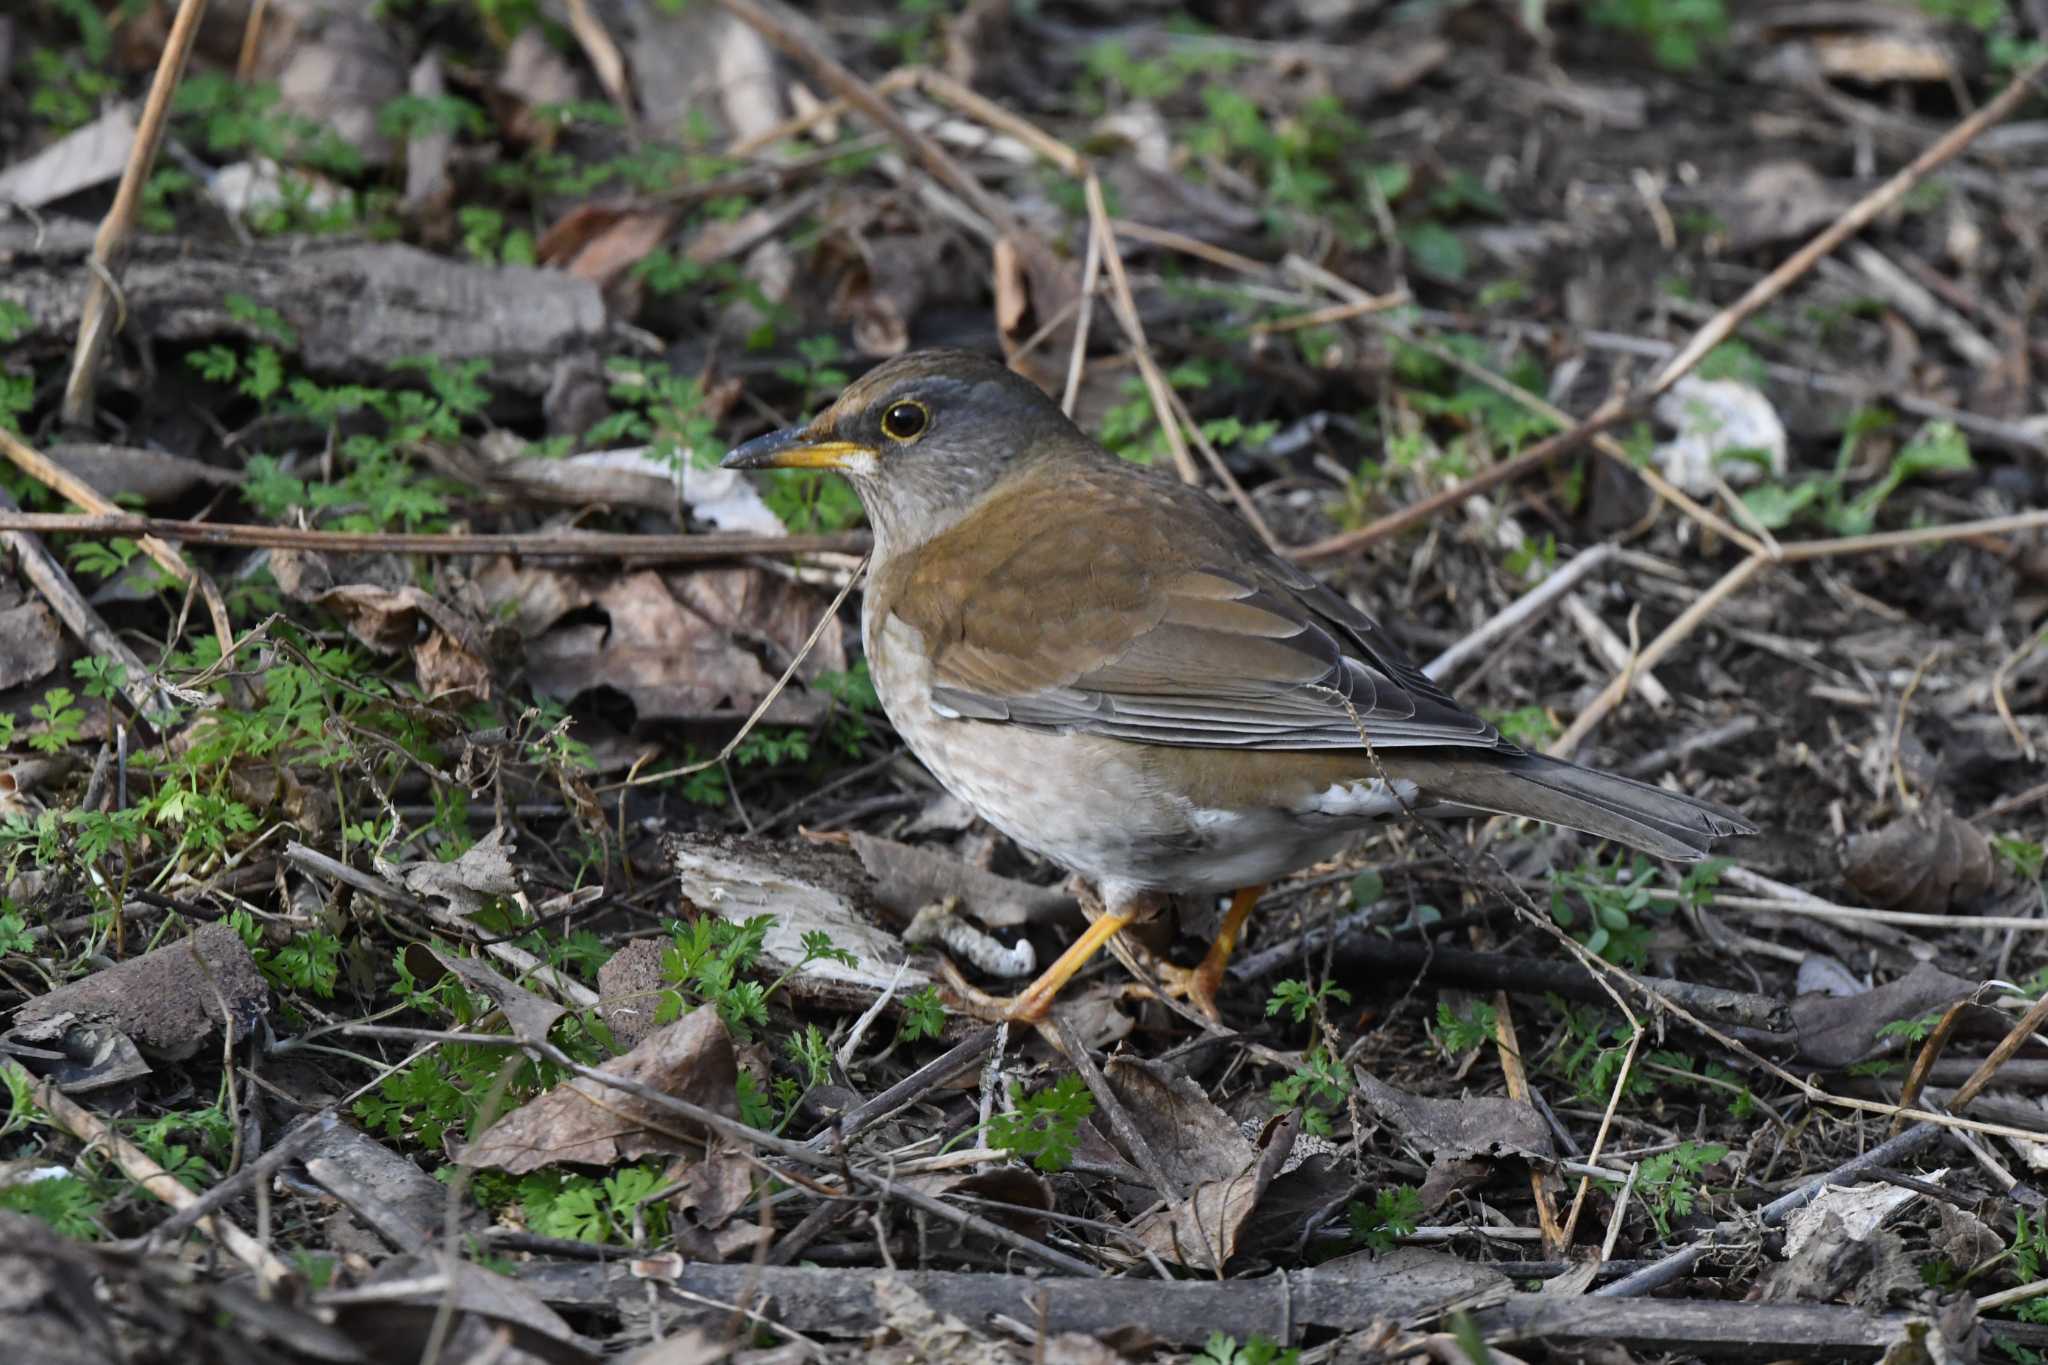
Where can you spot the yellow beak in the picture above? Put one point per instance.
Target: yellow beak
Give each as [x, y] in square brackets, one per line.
[793, 448]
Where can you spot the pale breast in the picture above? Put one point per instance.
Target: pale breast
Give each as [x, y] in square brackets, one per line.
[1090, 804]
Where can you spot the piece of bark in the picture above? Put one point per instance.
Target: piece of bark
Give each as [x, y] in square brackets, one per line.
[171, 1000]
[354, 307]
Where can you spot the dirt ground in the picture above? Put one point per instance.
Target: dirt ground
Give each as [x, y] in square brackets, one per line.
[463, 900]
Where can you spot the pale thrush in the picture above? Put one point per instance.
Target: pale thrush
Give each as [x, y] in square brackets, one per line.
[1112, 669]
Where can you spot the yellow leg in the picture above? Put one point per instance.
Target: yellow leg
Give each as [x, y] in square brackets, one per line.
[1201, 984]
[1032, 1005]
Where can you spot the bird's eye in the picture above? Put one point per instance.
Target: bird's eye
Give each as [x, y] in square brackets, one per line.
[905, 421]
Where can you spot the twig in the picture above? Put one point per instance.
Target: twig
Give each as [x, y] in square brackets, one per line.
[50, 474]
[1521, 611]
[41, 568]
[1126, 309]
[262, 1168]
[143, 1169]
[1663, 1272]
[860, 95]
[1673, 635]
[1859, 215]
[857, 1120]
[676, 549]
[110, 244]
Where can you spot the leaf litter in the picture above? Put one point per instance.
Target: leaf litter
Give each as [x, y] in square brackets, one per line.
[449, 825]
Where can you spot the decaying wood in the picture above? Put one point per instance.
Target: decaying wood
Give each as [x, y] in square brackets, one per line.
[355, 307]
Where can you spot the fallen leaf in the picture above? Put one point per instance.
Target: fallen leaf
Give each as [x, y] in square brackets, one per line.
[1929, 863]
[1836, 1031]
[1472, 1126]
[482, 874]
[530, 1015]
[30, 643]
[592, 1124]
[671, 644]
[81, 159]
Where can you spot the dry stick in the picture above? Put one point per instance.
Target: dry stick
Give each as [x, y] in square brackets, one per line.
[1556, 1241]
[288, 1148]
[1535, 457]
[966, 1053]
[1077, 357]
[1605, 444]
[1981, 1077]
[863, 97]
[143, 1169]
[940, 86]
[1245, 505]
[1126, 309]
[1716, 329]
[95, 322]
[1930, 1052]
[1521, 611]
[1661, 1273]
[680, 549]
[41, 568]
[1723, 324]
[796, 1151]
[50, 474]
[1673, 635]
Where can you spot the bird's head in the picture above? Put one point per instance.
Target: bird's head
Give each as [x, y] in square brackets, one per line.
[923, 437]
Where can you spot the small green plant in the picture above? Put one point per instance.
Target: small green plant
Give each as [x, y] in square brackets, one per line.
[1667, 1182]
[1394, 1213]
[1680, 32]
[924, 1015]
[1222, 1349]
[1319, 1085]
[1043, 1128]
[708, 958]
[1911, 1030]
[1532, 727]
[61, 721]
[1301, 1000]
[66, 1203]
[1459, 1032]
[598, 1210]
[1937, 448]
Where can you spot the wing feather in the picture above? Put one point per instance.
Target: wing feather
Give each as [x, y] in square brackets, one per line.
[1183, 630]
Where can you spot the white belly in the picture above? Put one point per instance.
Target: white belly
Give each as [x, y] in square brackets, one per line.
[1083, 801]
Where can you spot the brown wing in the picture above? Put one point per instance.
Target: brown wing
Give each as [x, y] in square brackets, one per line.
[1162, 621]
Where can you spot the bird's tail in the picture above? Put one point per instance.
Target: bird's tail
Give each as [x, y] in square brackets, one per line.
[1619, 808]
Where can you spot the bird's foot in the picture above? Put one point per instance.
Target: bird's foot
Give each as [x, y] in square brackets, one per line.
[1198, 985]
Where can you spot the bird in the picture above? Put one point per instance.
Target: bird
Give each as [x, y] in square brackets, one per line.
[1110, 667]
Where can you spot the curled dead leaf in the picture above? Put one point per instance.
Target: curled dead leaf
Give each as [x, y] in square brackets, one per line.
[593, 1124]
[1928, 863]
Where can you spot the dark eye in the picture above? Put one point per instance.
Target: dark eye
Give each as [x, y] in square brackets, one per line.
[905, 421]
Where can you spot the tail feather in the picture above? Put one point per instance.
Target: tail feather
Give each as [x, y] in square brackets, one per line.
[1642, 816]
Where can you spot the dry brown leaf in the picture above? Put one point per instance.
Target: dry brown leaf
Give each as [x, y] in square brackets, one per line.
[390, 616]
[530, 1015]
[671, 644]
[1929, 863]
[1837, 1031]
[1194, 1140]
[30, 643]
[483, 873]
[629, 987]
[592, 1124]
[1489, 1126]
[1202, 1230]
